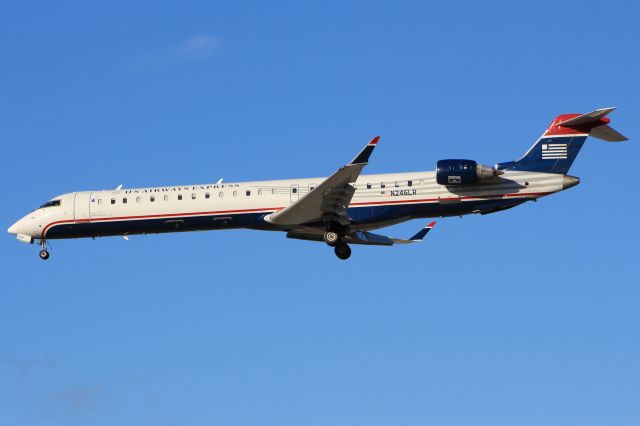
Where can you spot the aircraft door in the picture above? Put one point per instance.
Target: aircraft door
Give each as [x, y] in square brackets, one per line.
[295, 192]
[81, 205]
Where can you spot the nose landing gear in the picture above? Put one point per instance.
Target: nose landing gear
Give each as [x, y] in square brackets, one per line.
[44, 254]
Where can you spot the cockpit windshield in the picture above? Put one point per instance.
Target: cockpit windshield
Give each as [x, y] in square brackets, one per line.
[52, 203]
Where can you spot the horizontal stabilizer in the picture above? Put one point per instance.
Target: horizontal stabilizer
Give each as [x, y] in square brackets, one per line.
[607, 133]
[592, 117]
[595, 124]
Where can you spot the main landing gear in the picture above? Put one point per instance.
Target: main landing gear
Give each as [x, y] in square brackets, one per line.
[44, 254]
[336, 240]
[331, 238]
[342, 250]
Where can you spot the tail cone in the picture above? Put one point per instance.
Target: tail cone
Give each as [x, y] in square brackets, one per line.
[569, 181]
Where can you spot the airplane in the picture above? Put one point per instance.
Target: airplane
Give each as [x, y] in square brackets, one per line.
[339, 210]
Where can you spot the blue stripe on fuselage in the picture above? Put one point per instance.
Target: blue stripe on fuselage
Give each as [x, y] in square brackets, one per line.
[360, 215]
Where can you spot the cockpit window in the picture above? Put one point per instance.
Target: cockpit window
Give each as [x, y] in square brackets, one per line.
[52, 203]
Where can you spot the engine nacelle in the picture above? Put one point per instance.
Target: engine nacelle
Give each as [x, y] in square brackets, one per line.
[463, 172]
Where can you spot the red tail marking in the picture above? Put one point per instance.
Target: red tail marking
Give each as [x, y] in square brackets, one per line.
[555, 130]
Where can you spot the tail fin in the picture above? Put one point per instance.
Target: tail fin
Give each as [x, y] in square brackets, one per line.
[560, 144]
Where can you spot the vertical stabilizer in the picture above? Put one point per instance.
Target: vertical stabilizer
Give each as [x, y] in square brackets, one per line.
[558, 147]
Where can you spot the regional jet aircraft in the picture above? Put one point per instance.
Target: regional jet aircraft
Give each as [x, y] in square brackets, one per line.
[339, 210]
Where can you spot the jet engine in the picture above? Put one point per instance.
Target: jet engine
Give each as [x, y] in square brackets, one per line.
[463, 172]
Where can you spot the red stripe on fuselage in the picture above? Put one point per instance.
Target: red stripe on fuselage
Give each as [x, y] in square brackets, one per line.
[273, 209]
[104, 219]
[467, 197]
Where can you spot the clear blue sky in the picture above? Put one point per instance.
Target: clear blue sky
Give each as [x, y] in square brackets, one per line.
[524, 317]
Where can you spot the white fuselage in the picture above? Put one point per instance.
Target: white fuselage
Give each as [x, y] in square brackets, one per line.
[379, 200]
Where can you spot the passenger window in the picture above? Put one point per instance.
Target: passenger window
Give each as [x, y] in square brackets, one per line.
[248, 193]
[207, 195]
[397, 184]
[410, 183]
[382, 186]
[152, 198]
[235, 193]
[221, 194]
[113, 201]
[138, 199]
[193, 196]
[124, 200]
[368, 186]
[99, 201]
[179, 196]
[294, 190]
[166, 198]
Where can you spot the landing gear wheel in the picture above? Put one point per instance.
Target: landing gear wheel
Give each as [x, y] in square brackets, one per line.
[331, 238]
[343, 251]
[44, 255]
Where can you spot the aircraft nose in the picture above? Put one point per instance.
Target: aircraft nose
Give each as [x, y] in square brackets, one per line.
[13, 229]
[23, 226]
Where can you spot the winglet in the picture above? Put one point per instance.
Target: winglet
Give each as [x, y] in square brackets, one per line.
[363, 156]
[420, 235]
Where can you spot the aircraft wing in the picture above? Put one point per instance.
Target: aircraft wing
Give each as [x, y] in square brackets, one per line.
[329, 200]
[365, 238]
[369, 238]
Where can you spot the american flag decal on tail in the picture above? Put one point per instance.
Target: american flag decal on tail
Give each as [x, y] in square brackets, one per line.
[554, 151]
